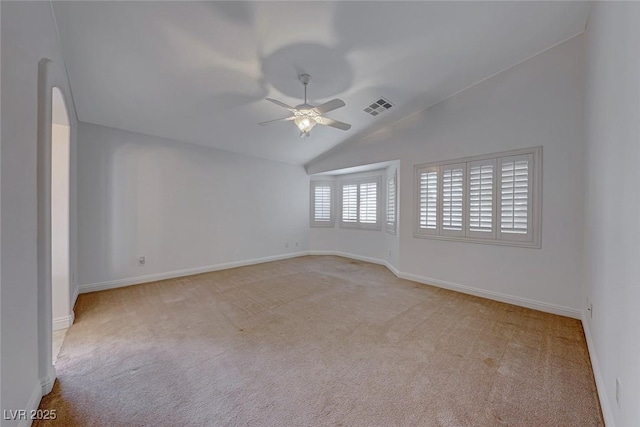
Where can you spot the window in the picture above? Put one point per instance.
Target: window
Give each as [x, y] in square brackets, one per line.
[391, 203]
[360, 203]
[321, 212]
[452, 200]
[428, 200]
[350, 203]
[515, 198]
[482, 199]
[485, 199]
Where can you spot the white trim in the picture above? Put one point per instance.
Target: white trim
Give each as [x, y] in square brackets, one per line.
[63, 322]
[41, 388]
[495, 296]
[32, 404]
[533, 239]
[100, 286]
[485, 241]
[607, 413]
[312, 204]
[382, 262]
[46, 383]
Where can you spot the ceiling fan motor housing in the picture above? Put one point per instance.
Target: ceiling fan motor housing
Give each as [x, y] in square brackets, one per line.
[304, 79]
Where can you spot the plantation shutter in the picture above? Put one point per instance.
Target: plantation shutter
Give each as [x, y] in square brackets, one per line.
[481, 222]
[321, 209]
[391, 204]
[453, 179]
[494, 198]
[350, 203]
[369, 202]
[428, 200]
[322, 212]
[515, 203]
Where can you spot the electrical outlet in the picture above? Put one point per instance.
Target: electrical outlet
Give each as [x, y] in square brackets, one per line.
[618, 392]
[141, 261]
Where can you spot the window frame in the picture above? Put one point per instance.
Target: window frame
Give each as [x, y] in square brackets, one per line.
[357, 224]
[390, 227]
[533, 238]
[312, 204]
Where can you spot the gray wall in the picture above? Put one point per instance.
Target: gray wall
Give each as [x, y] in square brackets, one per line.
[612, 226]
[538, 102]
[28, 36]
[181, 206]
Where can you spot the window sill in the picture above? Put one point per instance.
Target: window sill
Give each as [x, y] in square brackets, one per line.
[322, 225]
[372, 227]
[532, 245]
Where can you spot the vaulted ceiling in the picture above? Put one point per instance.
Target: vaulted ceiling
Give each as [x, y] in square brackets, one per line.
[198, 72]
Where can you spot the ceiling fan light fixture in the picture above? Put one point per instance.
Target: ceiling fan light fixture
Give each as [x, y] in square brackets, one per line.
[306, 116]
[305, 121]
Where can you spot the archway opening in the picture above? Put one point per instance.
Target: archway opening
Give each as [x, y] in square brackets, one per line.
[60, 229]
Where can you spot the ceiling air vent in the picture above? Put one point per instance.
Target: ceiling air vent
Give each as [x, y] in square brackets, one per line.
[378, 107]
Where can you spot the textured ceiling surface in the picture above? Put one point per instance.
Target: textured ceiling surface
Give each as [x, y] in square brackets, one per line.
[198, 72]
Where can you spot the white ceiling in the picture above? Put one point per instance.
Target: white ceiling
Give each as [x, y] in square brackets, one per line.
[199, 71]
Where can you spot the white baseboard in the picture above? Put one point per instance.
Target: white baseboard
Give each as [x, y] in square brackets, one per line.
[358, 258]
[46, 383]
[496, 296]
[32, 405]
[607, 414]
[100, 286]
[63, 322]
[391, 268]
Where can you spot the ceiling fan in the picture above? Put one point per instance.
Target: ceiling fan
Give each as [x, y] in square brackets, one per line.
[306, 116]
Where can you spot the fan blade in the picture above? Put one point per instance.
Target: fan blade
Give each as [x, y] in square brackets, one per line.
[282, 104]
[334, 124]
[277, 120]
[329, 106]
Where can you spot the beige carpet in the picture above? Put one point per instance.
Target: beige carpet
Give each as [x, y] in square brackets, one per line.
[317, 341]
